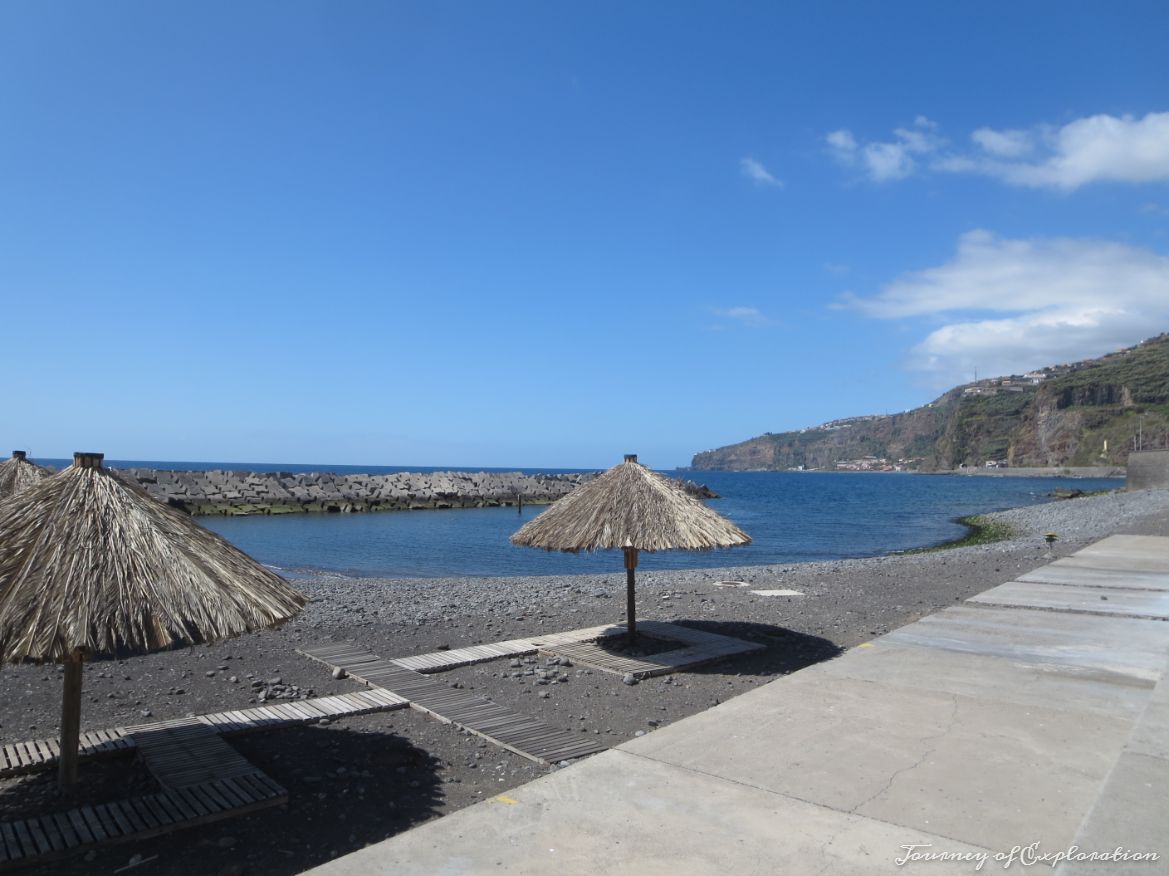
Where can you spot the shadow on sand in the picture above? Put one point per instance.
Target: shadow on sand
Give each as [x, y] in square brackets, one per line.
[786, 650]
[346, 788]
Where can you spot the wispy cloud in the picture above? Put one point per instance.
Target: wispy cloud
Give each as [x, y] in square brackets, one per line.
[748, 317]
[757, 173]
[1008, 306]
[886, 160]
[1003, 144]
[1093, 149]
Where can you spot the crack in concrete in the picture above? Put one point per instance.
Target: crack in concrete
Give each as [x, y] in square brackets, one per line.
[896, 775]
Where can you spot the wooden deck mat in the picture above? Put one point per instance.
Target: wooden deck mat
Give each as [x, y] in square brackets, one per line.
[33, 840]
[528, 737]
[594, 656]
[203, 778]
[698, 647]
[38, 754]
[181, 754]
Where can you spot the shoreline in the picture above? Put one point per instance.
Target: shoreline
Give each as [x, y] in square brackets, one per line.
[359, 780]
[1118, 472]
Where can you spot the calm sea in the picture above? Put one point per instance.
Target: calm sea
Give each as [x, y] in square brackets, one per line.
[792, 517]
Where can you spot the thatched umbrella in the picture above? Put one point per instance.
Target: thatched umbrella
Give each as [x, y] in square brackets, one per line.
[90, 566]
[632, 508]
[18, 474]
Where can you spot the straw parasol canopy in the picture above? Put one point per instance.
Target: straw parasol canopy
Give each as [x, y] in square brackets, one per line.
[91, 566]
[632, 508]
[18, 474]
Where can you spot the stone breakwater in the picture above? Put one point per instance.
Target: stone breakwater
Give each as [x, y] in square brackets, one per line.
[240, 493]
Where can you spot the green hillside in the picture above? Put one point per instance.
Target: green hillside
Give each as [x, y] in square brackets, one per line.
[1085, 413]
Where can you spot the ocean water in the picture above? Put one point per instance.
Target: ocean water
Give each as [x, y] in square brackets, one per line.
[792, 518]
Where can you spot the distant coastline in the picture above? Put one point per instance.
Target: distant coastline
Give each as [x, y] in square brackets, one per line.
[1063, 471]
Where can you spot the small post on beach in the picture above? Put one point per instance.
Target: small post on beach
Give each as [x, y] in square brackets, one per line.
[70, 721]
[630, 601]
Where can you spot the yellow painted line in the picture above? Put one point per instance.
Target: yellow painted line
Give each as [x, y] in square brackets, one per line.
[503, 798]
[865, 645]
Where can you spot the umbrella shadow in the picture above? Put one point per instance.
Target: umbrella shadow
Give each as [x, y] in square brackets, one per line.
[786, 650]
[346, 789]
[100, 780]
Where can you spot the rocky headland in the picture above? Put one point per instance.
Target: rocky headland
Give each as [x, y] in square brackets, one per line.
[1088, 413]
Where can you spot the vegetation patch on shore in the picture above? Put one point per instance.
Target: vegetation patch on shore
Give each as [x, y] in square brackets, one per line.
[980, 530]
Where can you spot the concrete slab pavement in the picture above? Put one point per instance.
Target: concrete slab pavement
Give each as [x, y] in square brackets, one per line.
[1071, 597]
[1090, 576]
[1084, 643]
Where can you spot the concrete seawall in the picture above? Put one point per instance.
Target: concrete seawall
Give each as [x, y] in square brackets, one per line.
[1148, 470]
[1059, 471]
[241, 493]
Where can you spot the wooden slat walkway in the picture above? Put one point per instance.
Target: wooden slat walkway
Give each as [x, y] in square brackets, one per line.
[23, 757]
[528, 737]
[45, 837]
[440, 661]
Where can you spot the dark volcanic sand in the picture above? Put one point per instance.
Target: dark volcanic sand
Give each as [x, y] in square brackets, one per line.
[360, 780]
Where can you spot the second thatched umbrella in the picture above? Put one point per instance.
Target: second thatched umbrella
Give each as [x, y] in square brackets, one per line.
[18, 474]
[635, 509]
[90, 566]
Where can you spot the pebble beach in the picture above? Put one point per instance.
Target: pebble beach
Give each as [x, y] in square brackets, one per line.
[354, 781]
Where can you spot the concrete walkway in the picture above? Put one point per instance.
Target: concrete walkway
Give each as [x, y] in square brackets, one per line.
[1036, 713]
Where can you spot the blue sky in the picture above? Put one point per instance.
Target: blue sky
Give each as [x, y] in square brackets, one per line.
[546, 234]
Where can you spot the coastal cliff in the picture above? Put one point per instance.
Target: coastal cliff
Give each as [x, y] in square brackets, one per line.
[240, 492]
[1089, 413]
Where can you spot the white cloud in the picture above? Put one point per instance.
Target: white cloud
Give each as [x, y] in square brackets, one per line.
[1003, 144]
[881, 161]
[1008, 306]
[757, 173]
[1099, 148]
[842, 141]
[750, 317]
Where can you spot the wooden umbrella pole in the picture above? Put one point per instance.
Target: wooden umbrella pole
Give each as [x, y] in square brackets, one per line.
[71, 720]
[630, 601]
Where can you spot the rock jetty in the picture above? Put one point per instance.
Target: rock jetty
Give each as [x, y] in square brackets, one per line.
[242, 492]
